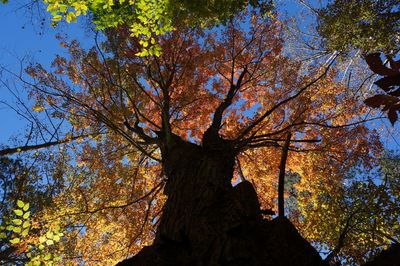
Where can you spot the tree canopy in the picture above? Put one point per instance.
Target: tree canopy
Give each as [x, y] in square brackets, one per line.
[147, 19]
[173, 147]
[372, 25]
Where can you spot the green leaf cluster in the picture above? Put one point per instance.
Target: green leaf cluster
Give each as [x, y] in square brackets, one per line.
[148, 19]
[19, 226]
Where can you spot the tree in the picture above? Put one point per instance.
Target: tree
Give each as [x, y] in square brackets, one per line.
[390, 84]
[372, 27]
[366, 213]
[211, 108]
[25, 239]
[148, 19]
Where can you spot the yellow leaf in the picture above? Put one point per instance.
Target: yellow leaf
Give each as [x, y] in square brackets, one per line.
[15, 240]
[20, 203]
[26, 215]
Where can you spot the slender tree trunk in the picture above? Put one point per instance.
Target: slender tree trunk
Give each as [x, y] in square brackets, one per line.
[281, 181]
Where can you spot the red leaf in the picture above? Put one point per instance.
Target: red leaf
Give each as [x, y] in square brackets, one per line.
[376, 65]
[380, 99]
[394, 64]
[392, 115]
[387, 83]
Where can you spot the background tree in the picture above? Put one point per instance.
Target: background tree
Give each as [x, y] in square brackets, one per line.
[148, 19]
[372, 27]
[362, 209]
[25, 238]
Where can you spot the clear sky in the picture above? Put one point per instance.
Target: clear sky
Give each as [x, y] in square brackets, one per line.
[24, 35]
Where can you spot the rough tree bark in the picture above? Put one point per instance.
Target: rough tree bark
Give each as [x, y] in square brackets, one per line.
[207, 221]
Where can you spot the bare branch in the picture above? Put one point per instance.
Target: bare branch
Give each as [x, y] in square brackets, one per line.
[10, 151]
[276, 106]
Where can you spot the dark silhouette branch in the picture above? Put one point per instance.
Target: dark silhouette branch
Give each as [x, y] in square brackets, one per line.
[217, 119]
[281, 181]
[140, 132]
[256, 122]
[347, 228]
[26, 148]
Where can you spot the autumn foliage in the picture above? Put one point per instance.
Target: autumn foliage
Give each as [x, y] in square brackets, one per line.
[237, 80]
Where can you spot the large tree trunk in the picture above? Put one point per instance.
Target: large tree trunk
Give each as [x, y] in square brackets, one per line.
[206, 221]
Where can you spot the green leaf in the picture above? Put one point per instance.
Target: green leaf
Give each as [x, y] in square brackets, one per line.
[63, 8]
[15, 240]
[17, 230]
[18, 212]
[49, 234]
[26, 224]
[26, 215]
[57, 18]
[3, 235]
[20, 203]
[25, 232]
[17, 221]
[70, 17]
[47, 256]
[26, 207]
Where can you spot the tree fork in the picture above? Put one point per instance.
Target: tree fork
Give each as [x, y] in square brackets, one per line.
[207, 221]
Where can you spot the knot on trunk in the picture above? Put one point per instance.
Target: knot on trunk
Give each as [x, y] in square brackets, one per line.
[213, 142]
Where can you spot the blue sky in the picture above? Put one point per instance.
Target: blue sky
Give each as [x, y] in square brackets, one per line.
[24, 37]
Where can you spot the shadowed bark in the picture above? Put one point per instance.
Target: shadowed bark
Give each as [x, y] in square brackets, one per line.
[389, 257]
[206, 221]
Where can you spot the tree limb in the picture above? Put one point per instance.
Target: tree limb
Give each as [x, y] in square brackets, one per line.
[281, 181]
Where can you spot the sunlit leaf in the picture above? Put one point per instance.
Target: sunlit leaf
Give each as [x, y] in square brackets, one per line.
[17, 221]
[26, 215]
[15, 240]
[26, 207]
[17, 230]
[20, 203]
[18, 212]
